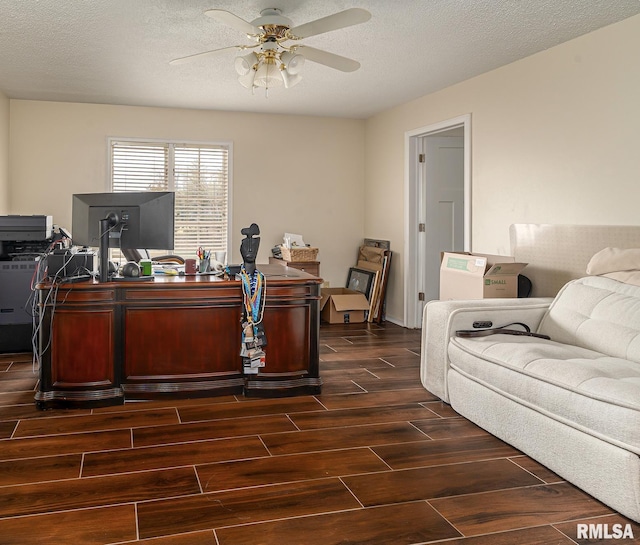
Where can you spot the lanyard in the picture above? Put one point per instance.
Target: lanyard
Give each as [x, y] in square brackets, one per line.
[253, 289]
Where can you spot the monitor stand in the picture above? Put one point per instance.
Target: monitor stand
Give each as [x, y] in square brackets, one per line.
[103, 249]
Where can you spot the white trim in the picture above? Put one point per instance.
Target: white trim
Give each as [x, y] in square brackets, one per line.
[230, 202]
[227, 143]
[167, 141]
[411, 202]
[393, 320]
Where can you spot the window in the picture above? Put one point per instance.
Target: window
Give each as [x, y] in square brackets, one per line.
[197, 173]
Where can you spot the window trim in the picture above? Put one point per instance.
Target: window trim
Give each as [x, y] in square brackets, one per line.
[228, 144]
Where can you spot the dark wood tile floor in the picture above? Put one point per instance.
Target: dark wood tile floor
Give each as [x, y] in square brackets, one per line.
[375, 459]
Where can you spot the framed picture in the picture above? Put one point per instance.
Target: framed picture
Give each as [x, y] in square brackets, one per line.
[361, 280]
[375, 243]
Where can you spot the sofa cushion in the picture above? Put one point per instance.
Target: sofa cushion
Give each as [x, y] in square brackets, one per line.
[597, 313]
[586, 389]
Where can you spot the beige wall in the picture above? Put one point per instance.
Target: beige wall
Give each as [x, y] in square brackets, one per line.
[4, 154]
[290, 173]
[554, 140]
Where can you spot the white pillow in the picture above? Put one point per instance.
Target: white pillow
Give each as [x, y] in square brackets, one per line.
[613, 260]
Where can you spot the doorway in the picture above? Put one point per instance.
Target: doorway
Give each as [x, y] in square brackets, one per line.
[437, 207]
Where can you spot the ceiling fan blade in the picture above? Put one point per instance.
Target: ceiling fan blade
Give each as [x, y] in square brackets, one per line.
[348, 17]
[328, 59]
[189, 58]
[233, 21]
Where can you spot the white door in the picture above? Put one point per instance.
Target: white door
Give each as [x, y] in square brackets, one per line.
[440, 208]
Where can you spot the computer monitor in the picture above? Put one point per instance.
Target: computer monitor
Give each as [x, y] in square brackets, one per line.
[126, 220]
[136, 219]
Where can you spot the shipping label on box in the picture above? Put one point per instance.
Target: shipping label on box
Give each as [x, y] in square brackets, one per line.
[342, 306]
[478, 276]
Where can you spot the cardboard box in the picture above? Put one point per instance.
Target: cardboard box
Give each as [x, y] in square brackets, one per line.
[478, 276]
[343, 306]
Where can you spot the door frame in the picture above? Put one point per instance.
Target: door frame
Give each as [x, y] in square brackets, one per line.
[411, 206]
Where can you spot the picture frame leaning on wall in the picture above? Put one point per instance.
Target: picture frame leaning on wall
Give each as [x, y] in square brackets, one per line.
[361, 280]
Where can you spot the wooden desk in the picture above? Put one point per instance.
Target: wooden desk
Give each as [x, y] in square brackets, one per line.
[179, 336]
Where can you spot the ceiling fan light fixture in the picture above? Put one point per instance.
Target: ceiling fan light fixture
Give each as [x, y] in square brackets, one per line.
[274, 63]
[247, 79]
[244, 63]
[267, 75]
[288, 79]
[293, 62]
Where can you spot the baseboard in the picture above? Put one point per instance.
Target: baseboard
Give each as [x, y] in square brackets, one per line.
[395, 321]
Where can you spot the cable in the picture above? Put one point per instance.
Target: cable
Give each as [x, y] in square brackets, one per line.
[38, 309]
[39, 274]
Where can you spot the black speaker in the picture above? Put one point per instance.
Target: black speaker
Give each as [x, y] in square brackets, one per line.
[131, 269]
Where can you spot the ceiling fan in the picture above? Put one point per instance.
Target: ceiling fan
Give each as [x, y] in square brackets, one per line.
[271, 62]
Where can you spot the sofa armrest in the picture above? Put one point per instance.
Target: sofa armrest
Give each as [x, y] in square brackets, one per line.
[441, 319]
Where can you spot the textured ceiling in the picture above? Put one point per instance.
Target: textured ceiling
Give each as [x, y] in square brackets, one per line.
[117, 51]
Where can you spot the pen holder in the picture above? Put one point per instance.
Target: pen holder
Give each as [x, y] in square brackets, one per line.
[203, 265]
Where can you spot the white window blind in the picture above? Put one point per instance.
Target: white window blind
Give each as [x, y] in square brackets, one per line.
[199, 176]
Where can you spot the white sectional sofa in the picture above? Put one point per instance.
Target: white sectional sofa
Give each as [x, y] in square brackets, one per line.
[572, 402]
